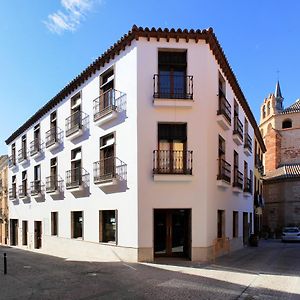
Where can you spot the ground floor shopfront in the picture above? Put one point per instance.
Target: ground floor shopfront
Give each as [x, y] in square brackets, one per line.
[172, 231]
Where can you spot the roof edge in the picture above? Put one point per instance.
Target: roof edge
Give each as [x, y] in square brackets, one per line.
[135, 33]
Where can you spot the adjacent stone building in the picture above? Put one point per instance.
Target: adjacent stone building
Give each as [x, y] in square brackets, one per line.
[3, 199]
[280, 128]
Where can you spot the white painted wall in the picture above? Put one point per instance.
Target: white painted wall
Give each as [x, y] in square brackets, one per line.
[125, 202]
[201, 194]
[136, 138]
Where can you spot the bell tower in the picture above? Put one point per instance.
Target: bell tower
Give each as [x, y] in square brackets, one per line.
[272, 105]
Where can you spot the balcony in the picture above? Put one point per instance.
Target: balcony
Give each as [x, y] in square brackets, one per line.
[109, 171]
[173, 90]
[76, 124]
[237, 181]
[36, 148]
[23, 191]
[224, 112]
[247, 144]
[36, 188]
[53, 185]
[53, 138]
[12, 162]
[238, 131]
[76, 179]
[224, 174]
[172, 165]
[248, 186]
[107, 106]
[259, 165]
[12, 193]
[22, 156]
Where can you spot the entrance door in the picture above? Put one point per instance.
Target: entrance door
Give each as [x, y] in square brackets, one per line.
[37, 234]
[245, 228]
[13, 232]
[172, 232]
[24, 233]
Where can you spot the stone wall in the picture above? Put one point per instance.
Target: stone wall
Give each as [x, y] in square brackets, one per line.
[290, 146]
[282, 204]
[273, 154]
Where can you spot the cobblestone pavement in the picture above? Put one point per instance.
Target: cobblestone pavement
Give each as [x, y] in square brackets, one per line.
[270, 271]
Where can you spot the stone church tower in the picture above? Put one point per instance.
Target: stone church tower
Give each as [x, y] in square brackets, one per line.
[280, 129]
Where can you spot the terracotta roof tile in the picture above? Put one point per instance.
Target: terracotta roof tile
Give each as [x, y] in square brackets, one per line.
[284, 171]
[295, 107]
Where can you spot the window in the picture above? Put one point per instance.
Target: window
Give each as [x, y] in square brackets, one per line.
[24, 147]
[13, 153]
[236, 109]
[14, 186]
[24, 182]
[76, 103]
[37, 173]
[245, 171]
[221, 147]
[268, 108]
[264, 111]
[76, 164]
[235, 224]
[107, 81]
[221, 223]
[77, 224]
[36, 184]
[36, 132]
[235, 160]
[222, 84]
[108, 226]
[54, 223]
[53, 168]
[287, 124]
[172, 146]
[53, 125]
[107, 156]
[172, 67]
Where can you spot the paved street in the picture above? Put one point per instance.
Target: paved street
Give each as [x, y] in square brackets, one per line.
[271, 271]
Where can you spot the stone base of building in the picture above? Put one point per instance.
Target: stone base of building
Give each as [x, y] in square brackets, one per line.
[79, 250]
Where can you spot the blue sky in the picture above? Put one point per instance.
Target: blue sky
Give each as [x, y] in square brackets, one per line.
[45, 44]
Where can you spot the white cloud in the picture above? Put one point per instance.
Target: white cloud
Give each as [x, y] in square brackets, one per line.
[73, 12]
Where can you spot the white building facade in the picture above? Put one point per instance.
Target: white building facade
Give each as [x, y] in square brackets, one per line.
[147, 153]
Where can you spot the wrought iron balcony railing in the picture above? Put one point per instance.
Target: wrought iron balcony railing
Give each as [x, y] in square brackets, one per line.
[22, 155]
[173, 86]
[77, 178]
[248, 142]
[12, 161]
[248, 185]
[172, 162]
[106, 103]
[109, 169]
[237, 178]
[224, 107]
[54, 184]
[35, 188]
[76, 122]
[12, 192]
[35, 146]
[224, 170]
[23, 190]
[53, 136]
[238, 127]
[259, 164]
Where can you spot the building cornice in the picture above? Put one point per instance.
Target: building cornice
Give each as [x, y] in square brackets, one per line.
[134, 34]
